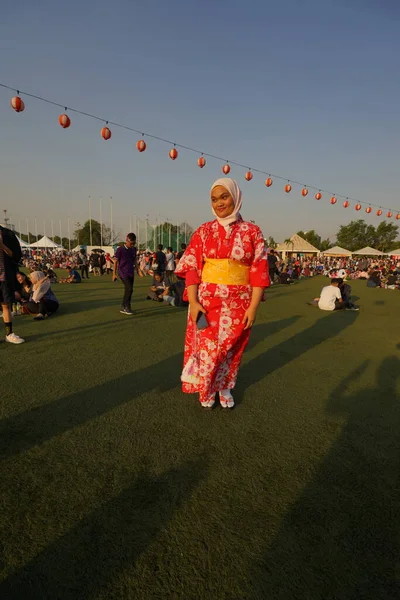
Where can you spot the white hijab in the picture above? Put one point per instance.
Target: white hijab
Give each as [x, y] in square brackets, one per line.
[233, 188]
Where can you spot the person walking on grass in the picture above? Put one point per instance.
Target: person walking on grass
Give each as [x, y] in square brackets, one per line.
[10, 255]
[125, 265]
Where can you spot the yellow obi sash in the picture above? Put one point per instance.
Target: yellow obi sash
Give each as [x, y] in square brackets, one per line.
[225, 271]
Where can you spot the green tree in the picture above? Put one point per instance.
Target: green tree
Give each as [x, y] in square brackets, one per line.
[82, 234]
[385, 236]
[325, 245]
[356, 235]
[311, 237]
[270, 242]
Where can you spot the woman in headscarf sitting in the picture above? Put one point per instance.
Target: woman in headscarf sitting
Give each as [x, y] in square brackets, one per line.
[42, 302]
[226, 271]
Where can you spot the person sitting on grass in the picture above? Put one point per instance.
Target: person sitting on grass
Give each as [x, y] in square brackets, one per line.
[73, 276]
[24, 288]
[374, 279]
[158, 289]
[345, 290]
[42, 302]
[331, 297]
[173, 295]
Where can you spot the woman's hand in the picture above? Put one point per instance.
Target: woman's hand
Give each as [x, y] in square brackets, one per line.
[195, 309]
[249, 318]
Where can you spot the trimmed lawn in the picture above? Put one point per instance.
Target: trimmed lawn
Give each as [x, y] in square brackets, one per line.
[115, 485]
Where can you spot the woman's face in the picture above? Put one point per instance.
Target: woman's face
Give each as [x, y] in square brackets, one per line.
[222, 202]
[20, 278]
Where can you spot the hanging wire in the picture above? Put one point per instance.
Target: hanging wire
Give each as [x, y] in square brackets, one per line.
[190, 149]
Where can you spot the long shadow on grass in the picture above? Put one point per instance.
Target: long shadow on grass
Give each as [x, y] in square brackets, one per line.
[22, 431]
[84, 561]
[262, 331]
[276, 357]
[341, 539]
[143, 313]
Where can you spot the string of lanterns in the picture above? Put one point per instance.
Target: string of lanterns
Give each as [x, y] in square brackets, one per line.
[65, 121]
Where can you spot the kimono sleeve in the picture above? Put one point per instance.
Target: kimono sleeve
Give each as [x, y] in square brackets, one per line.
[259, 274]
[191, 264]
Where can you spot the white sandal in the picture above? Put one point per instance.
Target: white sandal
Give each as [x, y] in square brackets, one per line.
[208, 404]
[226, 399]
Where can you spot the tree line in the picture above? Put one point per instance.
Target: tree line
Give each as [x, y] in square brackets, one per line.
[354, 236]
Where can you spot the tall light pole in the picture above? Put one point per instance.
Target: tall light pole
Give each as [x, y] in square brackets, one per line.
[90, 221]
[111, 218]
[27, 231]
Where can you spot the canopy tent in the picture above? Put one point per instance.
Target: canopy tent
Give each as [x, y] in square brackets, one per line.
[297, 245]
[337, 251]
[21, 242]
[368, 251]
[394, 252]
[45, 242]
[77, 249]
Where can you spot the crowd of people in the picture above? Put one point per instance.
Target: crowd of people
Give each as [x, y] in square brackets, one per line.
[34, 295]
[377, 272]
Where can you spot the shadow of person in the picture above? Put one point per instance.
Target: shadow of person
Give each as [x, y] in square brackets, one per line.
[264, 330]
[86, 560]
[340, 541]
[24, 430]
[276, 357]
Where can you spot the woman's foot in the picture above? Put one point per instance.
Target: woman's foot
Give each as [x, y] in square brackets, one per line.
[207, 402]
[39, 317]
[226, 399]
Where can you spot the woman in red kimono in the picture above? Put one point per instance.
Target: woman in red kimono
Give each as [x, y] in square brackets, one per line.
[226, 271]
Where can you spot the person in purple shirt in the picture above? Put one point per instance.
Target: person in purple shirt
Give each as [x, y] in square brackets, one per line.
[125, 264]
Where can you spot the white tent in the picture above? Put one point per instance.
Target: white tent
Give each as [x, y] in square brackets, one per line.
[337, 251]
[368, 251]
[45, 242]
[22, 243]
[394, 252]
[297, 245]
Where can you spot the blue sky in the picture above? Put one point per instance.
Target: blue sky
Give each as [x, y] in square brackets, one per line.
[307, 89]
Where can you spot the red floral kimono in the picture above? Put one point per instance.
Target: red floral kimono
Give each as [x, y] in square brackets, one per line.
[213, 355]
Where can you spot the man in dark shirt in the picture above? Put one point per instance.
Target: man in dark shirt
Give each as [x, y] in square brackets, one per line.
[160, 260]
[10, 255]
[272, 260]
[125, 264]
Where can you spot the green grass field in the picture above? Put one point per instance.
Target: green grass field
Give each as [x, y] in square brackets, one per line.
[115, 485]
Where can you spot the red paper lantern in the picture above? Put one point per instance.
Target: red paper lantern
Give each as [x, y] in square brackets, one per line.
[173, 153]
[378, 212]
[389, 214]
[346, 204]
[226, 169]
[141, 145]
[201, 162]
[288, 188]
[64, 121]
[304, 192]
[368, 210]
[358, 206]
[17, 103]
[268, 182]
[248, 176]
[333, 200]
[398, 216]
[106, 133]
[318, 196]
